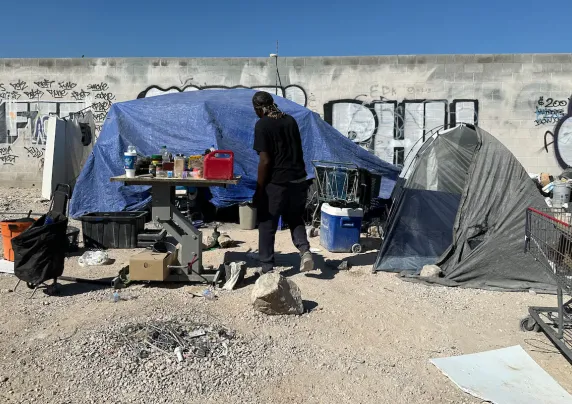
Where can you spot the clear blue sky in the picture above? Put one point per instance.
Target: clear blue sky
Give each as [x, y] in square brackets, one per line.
[177, 28]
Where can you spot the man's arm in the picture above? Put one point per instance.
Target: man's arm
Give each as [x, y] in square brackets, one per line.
[263, 171]
[263, 147]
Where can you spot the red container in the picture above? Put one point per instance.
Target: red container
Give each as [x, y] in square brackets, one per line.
[219, 165]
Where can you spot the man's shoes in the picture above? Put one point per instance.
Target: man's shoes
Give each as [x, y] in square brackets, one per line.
[307, 262]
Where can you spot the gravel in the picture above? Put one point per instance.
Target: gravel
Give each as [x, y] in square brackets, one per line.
[363, 337]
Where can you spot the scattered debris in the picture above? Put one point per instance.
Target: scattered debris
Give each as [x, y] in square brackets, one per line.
[224, 241]
[179, 354]
[234, 274]
[145, 340]
[275, 295]
[373, 231]
[209, 294]
[211, 240]
[93, 258]
[312, 232]
[197, 333]
[430, 271]
[344, 266]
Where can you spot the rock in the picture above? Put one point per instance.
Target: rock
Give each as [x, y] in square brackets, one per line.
[430, 271]
[209, 243]
[225, 241]
[312, 232]
[273, 294]
[373, 231]
[344, 266]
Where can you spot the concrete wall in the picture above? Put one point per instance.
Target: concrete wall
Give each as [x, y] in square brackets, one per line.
[385, 103]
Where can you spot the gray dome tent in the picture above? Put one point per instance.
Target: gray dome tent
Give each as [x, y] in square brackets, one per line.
[462, 206]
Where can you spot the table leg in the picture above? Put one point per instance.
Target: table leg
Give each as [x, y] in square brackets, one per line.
[178, 226]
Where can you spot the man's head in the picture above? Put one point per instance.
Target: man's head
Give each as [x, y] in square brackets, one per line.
[263, 104]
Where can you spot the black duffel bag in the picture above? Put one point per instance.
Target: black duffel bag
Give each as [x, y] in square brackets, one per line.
[40, 251]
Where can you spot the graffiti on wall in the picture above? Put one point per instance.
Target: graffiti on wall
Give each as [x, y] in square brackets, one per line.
[103, 98]
[292, 92]
[549, 110]
[389, 128]
[562, 138]
[6, 156]
[26, 107]
[394, 129]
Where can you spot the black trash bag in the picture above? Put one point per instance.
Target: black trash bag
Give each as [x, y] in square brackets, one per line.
[85, 133]
[40, 251]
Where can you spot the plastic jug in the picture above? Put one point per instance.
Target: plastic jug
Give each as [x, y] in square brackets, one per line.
[219, 165]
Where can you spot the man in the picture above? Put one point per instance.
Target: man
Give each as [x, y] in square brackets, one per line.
[281, 189]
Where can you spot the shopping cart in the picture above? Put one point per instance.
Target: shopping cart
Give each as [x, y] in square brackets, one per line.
[548, 238]
[343, 185]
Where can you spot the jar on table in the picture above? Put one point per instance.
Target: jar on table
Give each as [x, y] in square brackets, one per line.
[159, 173]
[156, 159]
[179, 166]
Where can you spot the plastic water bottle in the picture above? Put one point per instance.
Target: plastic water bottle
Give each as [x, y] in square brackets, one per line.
[165, 154]
[130, 158]
[208, 294]
[115, 297]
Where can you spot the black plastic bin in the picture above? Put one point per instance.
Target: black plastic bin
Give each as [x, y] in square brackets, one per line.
[112, 229]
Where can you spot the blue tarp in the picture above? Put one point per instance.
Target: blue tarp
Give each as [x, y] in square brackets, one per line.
[189, 123]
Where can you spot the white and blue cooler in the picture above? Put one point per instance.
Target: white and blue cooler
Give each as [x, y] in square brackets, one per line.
[340, 229]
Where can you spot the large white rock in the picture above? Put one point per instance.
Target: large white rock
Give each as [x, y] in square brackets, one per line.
[274, 294]
[430, 271]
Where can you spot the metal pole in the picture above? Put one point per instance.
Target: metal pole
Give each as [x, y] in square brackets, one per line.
[560, 313]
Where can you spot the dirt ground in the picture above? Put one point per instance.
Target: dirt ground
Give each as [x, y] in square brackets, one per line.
[365, 338]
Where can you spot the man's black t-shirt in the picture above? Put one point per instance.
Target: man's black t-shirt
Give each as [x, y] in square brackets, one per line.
[281, 139]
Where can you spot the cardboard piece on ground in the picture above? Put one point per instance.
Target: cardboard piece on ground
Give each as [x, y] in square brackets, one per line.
[150, 266]
[503, 376]
[6, 267]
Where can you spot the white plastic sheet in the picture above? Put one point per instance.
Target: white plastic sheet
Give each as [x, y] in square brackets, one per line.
[503, 376]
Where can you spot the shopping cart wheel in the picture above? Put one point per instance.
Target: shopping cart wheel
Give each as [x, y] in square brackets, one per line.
[356, 248]
[529, 324]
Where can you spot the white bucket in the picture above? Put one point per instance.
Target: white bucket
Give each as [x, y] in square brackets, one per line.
[560, 194]
[247, 215]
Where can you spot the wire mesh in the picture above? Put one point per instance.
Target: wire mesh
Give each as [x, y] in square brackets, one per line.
[549, 240]
[337, 182]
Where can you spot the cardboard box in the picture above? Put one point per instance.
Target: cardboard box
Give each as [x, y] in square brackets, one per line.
[150, 266]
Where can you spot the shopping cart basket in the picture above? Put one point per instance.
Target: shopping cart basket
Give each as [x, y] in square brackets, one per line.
[337, 183]
[343, 185]
[548, 238]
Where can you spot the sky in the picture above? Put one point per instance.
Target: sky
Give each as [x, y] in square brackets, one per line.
[250, 28]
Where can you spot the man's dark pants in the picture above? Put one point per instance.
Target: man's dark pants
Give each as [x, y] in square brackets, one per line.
[288, 201]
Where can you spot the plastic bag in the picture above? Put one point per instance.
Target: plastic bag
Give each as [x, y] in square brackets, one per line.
[93, 258]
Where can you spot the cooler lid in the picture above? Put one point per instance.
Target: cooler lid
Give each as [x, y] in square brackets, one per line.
[341, 212]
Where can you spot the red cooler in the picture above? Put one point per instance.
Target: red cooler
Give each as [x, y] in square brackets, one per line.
[219, 165]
